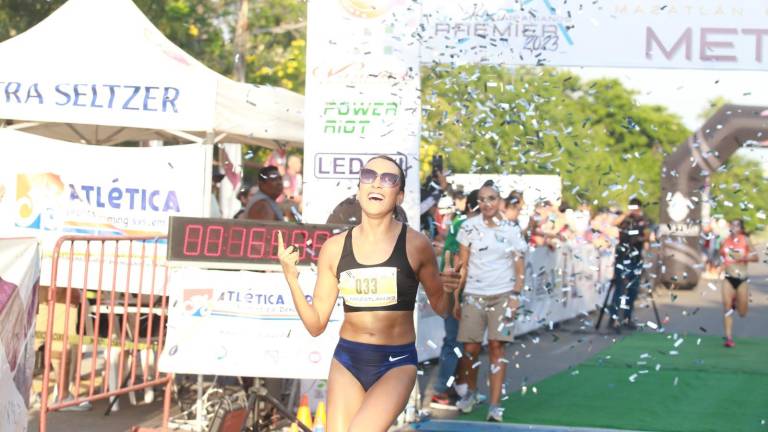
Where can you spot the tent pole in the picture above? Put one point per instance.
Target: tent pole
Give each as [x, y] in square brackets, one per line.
[190, 137]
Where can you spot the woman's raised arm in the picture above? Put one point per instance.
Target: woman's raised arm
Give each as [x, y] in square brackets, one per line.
[315, 316]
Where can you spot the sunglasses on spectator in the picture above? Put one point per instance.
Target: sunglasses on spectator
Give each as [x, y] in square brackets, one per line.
[388, 180]
[487, 200]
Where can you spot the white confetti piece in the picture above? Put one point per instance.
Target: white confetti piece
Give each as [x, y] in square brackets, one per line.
[632, 378]
[675, 383]
[457, 351]
[673, 353]
[534, 390]
[431, 344]
[523, 390]
[652, 325]
[449, 383]
[698, 341]
[476, 365]
[658, 367]
[679, 342]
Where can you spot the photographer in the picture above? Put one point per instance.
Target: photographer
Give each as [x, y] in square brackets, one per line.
[434, 187]
[628, 265]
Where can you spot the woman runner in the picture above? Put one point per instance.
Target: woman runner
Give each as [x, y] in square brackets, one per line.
[736, 251]
[376, 267]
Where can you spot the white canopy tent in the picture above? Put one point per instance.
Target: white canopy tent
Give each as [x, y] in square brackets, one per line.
[99, 72]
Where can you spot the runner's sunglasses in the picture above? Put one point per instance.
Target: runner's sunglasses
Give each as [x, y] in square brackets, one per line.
[388, 180]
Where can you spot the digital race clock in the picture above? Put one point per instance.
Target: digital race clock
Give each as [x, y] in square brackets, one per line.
[242, 244]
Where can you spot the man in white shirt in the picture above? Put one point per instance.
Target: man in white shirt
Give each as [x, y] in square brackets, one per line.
[491, 257]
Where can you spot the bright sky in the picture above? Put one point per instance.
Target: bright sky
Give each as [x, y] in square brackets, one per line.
[688, 92]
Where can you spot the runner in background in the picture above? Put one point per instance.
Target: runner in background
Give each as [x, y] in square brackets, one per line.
[737, 251]
[376, 267]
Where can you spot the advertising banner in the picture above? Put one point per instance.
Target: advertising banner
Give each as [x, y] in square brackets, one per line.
[563, 283]
[149, 103]
[243, 323]
[362, 98]
[705, 34]
[52, 188]
[19, 283]
[104, 63]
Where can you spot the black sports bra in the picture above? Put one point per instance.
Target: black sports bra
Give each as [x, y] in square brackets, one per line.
[389, 286]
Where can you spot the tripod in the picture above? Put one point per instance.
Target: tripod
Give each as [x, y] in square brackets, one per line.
[611, 287]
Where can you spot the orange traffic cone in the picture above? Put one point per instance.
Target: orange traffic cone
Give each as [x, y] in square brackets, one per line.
[303, 415]
[319, 425]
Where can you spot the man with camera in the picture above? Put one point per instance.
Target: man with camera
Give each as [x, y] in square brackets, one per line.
[634, 234]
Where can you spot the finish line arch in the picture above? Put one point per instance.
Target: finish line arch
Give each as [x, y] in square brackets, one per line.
[683, 176]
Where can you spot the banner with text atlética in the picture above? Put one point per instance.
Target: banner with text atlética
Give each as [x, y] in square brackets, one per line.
[51, 188]
[243, 323]
[362, 98]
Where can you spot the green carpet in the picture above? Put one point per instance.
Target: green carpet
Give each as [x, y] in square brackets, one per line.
[701, 387]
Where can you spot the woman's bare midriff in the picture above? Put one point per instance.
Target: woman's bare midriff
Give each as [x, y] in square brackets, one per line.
[379, 327]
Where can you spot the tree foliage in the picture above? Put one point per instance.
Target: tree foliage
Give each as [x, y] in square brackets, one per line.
[278, 43]
[604, 145]
[738, 191]
[16, 16]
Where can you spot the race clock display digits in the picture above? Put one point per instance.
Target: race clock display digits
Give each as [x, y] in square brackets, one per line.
[245, 244]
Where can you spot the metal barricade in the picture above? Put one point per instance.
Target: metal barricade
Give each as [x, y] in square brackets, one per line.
[116, 289]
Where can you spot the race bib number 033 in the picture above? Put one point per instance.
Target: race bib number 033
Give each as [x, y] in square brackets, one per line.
[369, 287]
